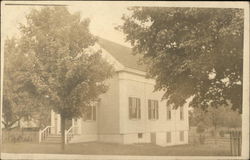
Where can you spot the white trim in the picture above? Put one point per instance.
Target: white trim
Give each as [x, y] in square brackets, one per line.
[135, 71]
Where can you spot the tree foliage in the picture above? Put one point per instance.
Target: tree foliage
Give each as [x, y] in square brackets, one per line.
[64, 69]
[222, 116]
[21, 99]
[191, 52]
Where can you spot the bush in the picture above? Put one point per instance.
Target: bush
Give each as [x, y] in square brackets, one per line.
[200, 129]
[222, 133]
[16, 136]
[202, 139]
[213, 133]
[31, 129]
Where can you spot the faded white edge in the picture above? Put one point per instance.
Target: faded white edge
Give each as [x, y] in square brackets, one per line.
[245, 115]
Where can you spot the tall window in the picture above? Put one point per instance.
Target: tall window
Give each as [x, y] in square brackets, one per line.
[153, 112]
[168, 112]
[134, 108]
[181, 113]
[181, 136]
[90, 113]
[168, 137]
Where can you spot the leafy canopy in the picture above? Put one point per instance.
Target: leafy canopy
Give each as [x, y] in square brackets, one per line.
[191, 52]
[223, 116]
[62, 68]
[20, 97]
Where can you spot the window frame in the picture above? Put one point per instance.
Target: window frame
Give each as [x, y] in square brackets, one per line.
[93, 116]
[140, 135]
[181, 113]
[153, 109]
[137, 103]
[168, 112]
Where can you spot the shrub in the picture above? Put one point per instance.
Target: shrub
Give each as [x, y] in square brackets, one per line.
[200, 129]
[202, 139]
[212, 133]
[222, 133]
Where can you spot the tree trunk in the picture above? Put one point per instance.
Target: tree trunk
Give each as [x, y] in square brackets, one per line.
[215, 131]
[18, 124]
[62, 132]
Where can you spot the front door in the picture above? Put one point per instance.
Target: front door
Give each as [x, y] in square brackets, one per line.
[77, 125]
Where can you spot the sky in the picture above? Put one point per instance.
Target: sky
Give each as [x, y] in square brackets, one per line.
[104, 17]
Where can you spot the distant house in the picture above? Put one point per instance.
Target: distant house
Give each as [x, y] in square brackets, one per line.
[129, 112]
[23, 123]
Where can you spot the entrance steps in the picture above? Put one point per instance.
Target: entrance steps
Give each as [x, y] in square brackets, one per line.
[52, 138]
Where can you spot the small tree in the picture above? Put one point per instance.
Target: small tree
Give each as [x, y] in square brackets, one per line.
[65, 70]
[222, 116]
[201, 129]
[21, 98]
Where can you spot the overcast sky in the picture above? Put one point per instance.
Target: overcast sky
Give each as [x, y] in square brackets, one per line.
[104, 17]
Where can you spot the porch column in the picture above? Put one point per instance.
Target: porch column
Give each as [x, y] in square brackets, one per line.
[58, 124]
[52, 122]
[73, 125]
[79, 122]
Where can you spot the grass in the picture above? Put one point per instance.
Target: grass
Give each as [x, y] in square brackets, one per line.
[97, 148]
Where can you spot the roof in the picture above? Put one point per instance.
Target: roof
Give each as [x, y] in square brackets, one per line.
[122, 54]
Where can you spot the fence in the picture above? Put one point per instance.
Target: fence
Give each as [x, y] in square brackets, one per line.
[235, 142]
[232, 140]
[225, 141]
[17, 136]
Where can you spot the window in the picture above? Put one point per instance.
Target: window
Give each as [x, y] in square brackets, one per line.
[153, 112]
[139, 135]
[90, 113]
[181, 113]
[168, 112]
[168, 138]
[181, 136]
[134, 108]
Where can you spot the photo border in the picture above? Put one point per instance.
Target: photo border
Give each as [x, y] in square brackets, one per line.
[215, 4]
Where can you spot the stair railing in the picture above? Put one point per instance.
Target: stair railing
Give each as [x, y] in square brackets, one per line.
[44, 133]
[69, 134]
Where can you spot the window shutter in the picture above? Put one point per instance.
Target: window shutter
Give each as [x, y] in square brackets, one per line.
[157, 109]
[170, 112]
[139, 108]
[149, 109]
[181, 113]
[153, 109]
[130, 107]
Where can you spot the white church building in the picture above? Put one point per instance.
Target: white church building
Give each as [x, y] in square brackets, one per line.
[130, 111]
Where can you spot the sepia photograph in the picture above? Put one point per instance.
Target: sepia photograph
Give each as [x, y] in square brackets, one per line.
[124, 80]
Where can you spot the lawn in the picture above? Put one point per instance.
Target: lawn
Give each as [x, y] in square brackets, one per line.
[94, 148]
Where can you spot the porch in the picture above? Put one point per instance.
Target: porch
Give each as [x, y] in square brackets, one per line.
[76, 130]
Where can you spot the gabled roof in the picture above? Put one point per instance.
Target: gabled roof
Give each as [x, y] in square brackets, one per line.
[122, 54]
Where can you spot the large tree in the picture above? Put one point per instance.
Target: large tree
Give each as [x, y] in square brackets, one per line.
[65, 70]
[194, 52]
